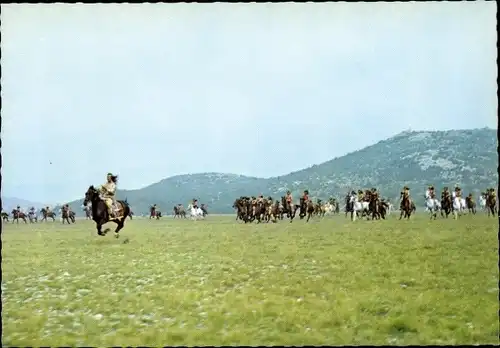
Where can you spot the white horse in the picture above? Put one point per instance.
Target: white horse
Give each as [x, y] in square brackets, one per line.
[357, 206]
[432, 205]
[459, 205]
[329, 208]
[482, 202]
[196, 213]
[390, 208]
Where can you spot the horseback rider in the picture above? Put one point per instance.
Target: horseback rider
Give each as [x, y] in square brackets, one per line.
[305, 196]
[195, 203]
[374, 193]
[446, 193]
[405, 194]
[67, 209]
[260, 199]
[361, 195]
[288, 198]
[107, 193]
[431, 191]
[458, 192]
[471, 199]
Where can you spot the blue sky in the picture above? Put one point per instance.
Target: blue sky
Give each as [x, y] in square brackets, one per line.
[154, 90]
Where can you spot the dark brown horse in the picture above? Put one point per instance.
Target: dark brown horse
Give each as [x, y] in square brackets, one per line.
[179, 211]
[289, 209]
[16, 215]
[306, 208]
[68, 215]
[258, 211]
[471, 205]
[491, 203]
[446, 205]
[47, 214]
[100, 212]
[243, 208]
[406, 206]
[374, 206]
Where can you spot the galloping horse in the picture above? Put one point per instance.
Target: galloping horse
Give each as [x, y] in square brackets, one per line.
[446, 205]
[16, 215]
[195, 212]
[100, 211]
[432, 204]
[354, 206]
[179, 211]
[491, 203]
[306, 208]
[471, 205]
[47, 214]
[32, 217]
[289, 208]
[5, 216]
[406, 206]
[68, 216]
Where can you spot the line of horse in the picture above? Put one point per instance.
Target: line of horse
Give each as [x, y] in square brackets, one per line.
[457, 206]
[266, 210]
[370, 206]
[33, 217]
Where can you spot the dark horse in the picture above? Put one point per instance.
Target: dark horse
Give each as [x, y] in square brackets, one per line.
[47, 214]
[16, 215]
[203, 208]
[406, 206]
[179, 211]
[68, 216]
[100, 212]
[306, 208]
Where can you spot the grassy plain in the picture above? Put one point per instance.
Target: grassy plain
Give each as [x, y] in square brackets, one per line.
[218, 282]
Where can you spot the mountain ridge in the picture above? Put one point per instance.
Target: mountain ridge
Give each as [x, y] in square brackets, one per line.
[9, 203]
[417, 158]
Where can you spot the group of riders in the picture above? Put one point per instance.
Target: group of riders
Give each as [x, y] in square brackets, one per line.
[260, 208]
[32, 214]
[447, 198]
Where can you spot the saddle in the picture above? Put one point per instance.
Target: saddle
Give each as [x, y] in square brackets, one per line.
[117, 208]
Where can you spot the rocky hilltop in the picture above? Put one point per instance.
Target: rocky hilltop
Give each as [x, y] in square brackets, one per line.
[415, 158]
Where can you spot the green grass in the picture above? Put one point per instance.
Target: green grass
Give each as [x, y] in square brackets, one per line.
[217, 282]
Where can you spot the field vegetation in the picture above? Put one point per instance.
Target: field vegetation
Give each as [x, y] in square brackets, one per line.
[218, 282]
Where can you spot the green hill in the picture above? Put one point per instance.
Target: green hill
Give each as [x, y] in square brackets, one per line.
[417, 159]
